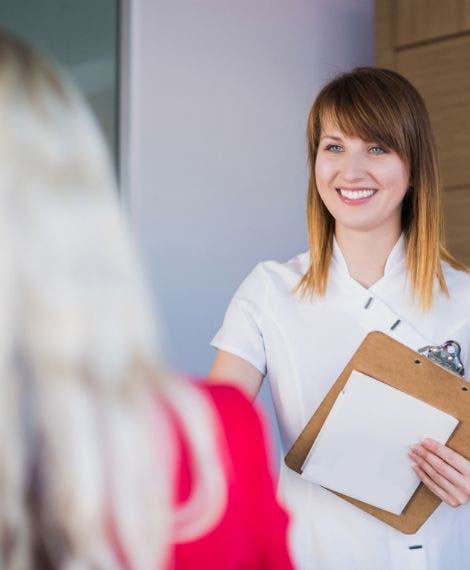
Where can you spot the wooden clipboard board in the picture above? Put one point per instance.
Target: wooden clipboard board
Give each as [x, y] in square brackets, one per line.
[393, 363]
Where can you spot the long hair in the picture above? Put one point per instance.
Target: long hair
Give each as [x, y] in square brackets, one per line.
[381, 105]
[87, 447]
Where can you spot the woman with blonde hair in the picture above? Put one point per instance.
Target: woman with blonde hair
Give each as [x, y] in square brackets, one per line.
[377, 261]
[107, 460]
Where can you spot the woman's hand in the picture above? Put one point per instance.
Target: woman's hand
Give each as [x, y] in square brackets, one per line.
[445, 472]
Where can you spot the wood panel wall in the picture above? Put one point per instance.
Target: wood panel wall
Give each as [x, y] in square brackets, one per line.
[428, 41]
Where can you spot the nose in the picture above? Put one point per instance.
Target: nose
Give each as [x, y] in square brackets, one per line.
[353, 167]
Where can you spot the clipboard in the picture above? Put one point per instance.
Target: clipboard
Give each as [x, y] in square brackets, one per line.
[393, 363]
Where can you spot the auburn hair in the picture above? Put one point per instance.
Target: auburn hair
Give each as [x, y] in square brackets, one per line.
[381, 105]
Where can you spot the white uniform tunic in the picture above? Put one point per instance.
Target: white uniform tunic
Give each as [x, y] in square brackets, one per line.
[303, 346]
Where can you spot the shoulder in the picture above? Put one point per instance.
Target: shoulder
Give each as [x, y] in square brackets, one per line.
[458, 283]
[295, 267]
[269, 276]
[280, 274]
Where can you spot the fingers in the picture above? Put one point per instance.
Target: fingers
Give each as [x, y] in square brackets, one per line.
[434, 487]
[438, 464]
[445, 472]
[448, 455]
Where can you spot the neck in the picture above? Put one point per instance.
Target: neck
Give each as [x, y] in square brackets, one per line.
[366, 252]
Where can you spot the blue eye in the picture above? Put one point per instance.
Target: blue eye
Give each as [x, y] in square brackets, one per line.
[330, 146]
[336, 148]
[382, 150]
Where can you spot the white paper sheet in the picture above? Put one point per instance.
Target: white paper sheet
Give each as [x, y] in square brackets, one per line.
[362, 448]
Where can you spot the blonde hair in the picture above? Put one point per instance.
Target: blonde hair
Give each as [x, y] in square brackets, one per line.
[87, 449]
[382, 106]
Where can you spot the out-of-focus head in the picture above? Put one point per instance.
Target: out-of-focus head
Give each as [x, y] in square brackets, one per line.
[61, 218]
[82, 442]
[77, 337]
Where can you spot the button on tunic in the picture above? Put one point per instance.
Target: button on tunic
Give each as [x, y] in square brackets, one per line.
[302, 346]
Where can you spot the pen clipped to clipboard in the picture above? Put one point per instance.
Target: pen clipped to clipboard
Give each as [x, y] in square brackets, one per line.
[386, 395]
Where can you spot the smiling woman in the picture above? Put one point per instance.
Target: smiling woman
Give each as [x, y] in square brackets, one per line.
[377, 261]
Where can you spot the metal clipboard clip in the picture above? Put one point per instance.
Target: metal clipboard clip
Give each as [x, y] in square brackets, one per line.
[446, 355]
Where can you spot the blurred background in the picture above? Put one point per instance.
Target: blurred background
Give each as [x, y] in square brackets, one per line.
[84, 38]
[204, 105]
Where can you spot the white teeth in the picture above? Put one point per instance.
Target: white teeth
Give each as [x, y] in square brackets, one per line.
[356, 194]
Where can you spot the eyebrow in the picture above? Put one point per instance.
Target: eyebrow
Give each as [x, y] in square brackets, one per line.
[336, 138]
[331, 137]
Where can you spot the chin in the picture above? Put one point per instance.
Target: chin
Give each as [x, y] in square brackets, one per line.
[359, 225]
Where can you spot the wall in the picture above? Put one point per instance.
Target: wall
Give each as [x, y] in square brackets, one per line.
[219, 94]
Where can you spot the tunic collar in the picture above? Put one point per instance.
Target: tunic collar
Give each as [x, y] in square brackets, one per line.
[395, 259]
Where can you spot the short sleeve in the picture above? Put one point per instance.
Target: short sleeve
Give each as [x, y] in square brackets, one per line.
[241, 333]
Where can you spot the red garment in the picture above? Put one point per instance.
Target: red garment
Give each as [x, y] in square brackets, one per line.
[252, 533]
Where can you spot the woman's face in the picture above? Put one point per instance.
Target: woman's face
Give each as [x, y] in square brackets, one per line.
[361, 183]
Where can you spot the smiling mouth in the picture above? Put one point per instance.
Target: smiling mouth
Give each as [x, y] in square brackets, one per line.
[361, 194]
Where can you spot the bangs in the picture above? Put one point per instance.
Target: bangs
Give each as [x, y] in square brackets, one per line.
[365, 109]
